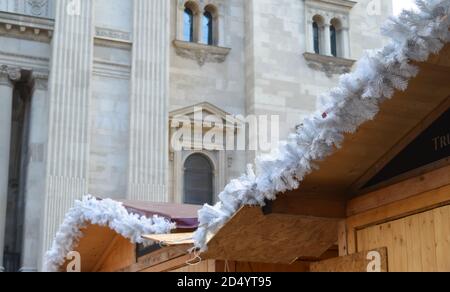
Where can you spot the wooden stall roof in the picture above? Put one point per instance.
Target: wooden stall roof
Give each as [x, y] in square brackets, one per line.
[185, 216]
[251, 236]
[172, 239]
[94, 246]
[98, 242]
[376, 142]
[304, 223]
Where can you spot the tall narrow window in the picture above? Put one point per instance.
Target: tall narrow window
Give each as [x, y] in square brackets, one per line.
[198, 180]
[333, 36]
[316, 37]
[188, 32]
[207, 28]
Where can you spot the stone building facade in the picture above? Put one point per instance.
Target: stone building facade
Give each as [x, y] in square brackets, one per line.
[88, 90]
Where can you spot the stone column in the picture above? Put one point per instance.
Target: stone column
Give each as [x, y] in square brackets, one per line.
[326, 40]
[310, 37]
[67, 161]
[220, 30]
[7, 75]
[149, 122]
[35, 179]
[345, 43]
[180, 21]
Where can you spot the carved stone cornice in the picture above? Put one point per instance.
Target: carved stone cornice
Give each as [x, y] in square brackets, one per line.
[200, 52]
[328, 64]
[9, 75]
[26, 27]
[343, 3]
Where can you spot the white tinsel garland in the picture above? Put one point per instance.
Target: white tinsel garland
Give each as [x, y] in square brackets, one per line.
[103, 213]
[415, 35]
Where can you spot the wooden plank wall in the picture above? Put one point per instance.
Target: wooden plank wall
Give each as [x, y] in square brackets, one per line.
[121, 254]
[358, 262]
[203, 267]
[418, 243]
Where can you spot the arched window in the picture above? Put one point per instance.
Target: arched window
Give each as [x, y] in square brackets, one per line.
[333, 40]
[317, 31]
[198, 180]
[207, 28]
[316, 38]
[210, 26]
[336, 38]
[188, 26]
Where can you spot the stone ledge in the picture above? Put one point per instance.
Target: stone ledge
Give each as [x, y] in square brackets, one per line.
[26, 27]
[200, 52]
[328, 64]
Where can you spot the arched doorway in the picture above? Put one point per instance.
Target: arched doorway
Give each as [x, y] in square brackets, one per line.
[198, 180]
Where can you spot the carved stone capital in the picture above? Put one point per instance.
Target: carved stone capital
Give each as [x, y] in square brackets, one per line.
[200, 52]
[9, 75]
[40, 80]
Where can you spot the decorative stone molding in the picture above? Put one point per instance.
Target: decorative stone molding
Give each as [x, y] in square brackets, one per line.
[38, 8]
[112, 34]
[26, 27]
[200, 52]
[329, 65]
[40, 80]
[27, 62]
[9, 75]
[112, 38]
[111, 69]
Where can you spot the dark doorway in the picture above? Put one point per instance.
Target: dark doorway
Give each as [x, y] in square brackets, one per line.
[198, 180]
[20, 123]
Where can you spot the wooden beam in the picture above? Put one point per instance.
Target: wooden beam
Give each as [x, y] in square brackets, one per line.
[342, 238]
[400, 209]
[353, 263]
[172, 239]
[308, 204]
[169, 265]
[403, 190]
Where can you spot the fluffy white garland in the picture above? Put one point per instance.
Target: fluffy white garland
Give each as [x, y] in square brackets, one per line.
[108, 213]
[415, 35]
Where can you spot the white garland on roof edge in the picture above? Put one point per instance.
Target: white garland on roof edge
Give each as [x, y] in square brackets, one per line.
[415, 35]
[107, 213]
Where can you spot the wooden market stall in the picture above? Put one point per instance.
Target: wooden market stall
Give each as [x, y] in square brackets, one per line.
[101, 249]
[387, 190]
[385, 194]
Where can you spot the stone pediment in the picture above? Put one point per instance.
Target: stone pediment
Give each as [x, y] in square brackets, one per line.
[207, 109]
